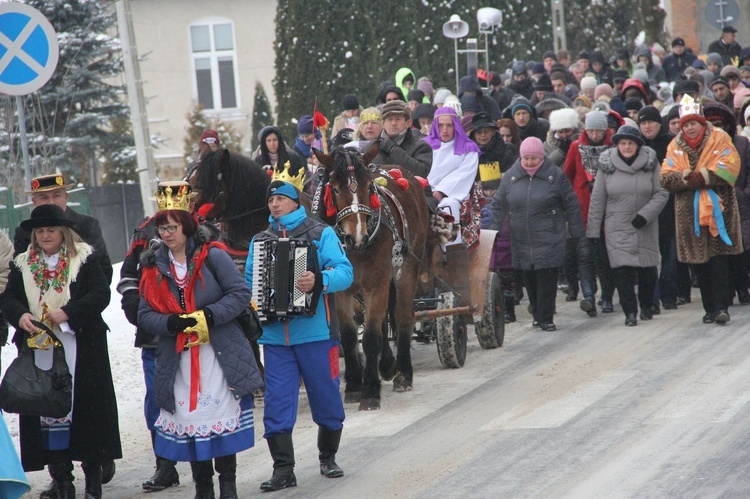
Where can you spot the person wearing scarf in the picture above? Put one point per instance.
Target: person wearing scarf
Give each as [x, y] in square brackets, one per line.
[191, 293]
[58, 281]
[701, 168]
[627, 200]
[543, 209]
[455, 159]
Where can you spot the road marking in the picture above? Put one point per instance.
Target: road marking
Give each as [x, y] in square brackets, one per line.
[558, 411]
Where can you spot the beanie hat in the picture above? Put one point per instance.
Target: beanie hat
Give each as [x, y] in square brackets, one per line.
[583, 55]
[350, 102]
[518, 68]
[719, 80]
[649, 113]
[740, 95]
[619, 75]
[395, 107]
[714, 58]
[562, 119]
[596, 120]
[452, 102]
[603, 90]
[521, 104]
[531, 146]
[588, 82]
[538, 69]
[441, 95]
[673, 113]
[423, 111]
[549, 54]
[698, 64]
[582, 100]
[426, 87]
[633, 104]
[415, 95]
[640, 75]
[600, 106]
[210, 137]
[544, 84]
[730, 70]
[305, 125]
[281, 188]
[628, 132]
[685, 87]
[622, 54]
[466, 124]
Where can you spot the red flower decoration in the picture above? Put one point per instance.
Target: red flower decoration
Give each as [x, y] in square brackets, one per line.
[34, 185]
[403, 183]
[395, 173]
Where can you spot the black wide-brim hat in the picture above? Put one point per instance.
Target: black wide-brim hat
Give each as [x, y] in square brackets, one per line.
[47, 215]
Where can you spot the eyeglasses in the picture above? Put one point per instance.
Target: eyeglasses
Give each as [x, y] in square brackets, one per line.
[168, 228]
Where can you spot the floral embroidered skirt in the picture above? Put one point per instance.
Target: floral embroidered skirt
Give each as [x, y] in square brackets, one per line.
[220, 424]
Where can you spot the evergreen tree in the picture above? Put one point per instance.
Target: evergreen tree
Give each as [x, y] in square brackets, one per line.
[262, 116]
[70, 119]
[119, 162]
[198, 123]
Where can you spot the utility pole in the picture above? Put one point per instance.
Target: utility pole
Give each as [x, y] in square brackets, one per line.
[558, 25]
[138, 115]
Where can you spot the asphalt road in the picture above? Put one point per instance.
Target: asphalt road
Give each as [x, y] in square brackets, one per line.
[595, 409]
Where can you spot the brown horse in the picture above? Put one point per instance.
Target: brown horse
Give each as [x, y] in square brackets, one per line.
[383, 222]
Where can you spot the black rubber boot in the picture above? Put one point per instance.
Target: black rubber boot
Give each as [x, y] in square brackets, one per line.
[282, 452]
[510, 308]
[108, 471]
[226, 467]
[62, 474]
[93, 473]
[203, 476]
[588, 304]
[328, 445]
[165, 476]
[50, 492]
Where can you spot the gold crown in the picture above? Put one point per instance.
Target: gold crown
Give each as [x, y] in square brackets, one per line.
[297, 181]
[173, 196]
[689, 106]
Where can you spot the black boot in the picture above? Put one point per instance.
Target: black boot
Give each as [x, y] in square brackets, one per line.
[62, 474]
[588, 304]
[165, 476]
[510, 308]
[50, 492]
[93, 473]
[328, 445]
[108, 471]
[203, 476]
[282, 452]
[607, 307]
[226, 467]
[631, 320]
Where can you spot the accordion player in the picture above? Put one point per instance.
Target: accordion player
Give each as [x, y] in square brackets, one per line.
[277, 266]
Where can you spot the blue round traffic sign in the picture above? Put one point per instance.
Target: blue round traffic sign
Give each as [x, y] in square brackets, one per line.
[28, 49]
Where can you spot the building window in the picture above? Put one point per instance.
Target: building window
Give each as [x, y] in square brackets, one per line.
[214, 60]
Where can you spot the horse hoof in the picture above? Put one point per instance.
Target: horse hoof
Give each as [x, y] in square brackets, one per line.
[369, 405]
[401, 384]
[352, 397]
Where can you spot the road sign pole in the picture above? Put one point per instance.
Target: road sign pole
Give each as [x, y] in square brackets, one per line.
[24, 142]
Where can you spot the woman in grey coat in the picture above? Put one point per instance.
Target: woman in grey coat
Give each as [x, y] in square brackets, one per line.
[628, 198]
[540, 201]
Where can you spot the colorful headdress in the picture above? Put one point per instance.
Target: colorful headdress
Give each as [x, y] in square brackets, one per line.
[174, 195]
[690, 109]
[285, 175]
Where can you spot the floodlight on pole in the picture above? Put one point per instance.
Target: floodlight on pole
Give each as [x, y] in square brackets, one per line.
[455, 28]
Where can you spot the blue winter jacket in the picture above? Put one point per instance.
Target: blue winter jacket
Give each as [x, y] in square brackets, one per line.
[337, 275]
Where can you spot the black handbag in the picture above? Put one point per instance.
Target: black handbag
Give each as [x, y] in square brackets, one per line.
[249, 321]
[27, 389]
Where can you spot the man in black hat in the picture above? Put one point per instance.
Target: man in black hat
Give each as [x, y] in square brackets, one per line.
[399, 145]
[676, 62]
[52, 189]
[727, 47]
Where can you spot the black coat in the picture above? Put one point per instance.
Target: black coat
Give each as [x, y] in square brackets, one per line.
[496, 155]
[742, 187]
[674, 64]
[727, 52]
[536, 127]
[413, 153]
[95, 434]
[666, 218]
[87, 227]
[539, 208]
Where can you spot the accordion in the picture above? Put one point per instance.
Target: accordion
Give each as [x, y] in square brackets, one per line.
[277, 266]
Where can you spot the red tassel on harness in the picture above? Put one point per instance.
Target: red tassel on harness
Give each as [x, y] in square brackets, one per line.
[395, 173]
[403, 183]
[328, 201]
[203, 210]
[422, 181]
[374, 201]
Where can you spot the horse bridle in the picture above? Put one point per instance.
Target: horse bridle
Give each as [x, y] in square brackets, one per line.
[356, 208]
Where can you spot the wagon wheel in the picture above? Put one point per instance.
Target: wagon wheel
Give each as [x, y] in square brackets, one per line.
[491, 329]
[451, 335]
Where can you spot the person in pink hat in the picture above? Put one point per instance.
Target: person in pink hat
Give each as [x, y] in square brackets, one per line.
[540, 202]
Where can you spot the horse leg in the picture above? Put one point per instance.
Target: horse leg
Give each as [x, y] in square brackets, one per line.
[372, 345]
[349, 340]
[387, 364]
[404, 315]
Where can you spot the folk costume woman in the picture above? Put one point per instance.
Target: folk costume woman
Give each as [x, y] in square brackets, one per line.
[701, 168]
[58, 282]
[191, 292]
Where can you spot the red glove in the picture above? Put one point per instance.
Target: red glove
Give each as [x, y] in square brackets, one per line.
[696, 181]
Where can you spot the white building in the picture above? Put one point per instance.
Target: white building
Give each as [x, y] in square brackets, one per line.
[209, 52]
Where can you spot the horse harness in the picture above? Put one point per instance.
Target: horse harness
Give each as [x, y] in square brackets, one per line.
[374, 216]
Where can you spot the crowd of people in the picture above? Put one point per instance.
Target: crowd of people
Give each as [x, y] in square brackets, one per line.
[625, 174]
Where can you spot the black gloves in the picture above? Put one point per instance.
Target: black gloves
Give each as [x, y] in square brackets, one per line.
[175, 323]
[209, 317]
[639, 222]
[387, 145]
[130, 302]
[696, 181]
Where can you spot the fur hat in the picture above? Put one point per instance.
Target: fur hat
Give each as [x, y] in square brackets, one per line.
[628, 132]
[562, 119]
[395, 107]
[349, 102]
[596, 120]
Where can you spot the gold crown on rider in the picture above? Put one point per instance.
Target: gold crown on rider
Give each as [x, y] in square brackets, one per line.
[297, 181]
[689, 106]
[173, 196]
